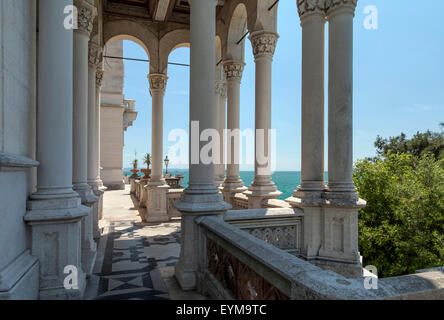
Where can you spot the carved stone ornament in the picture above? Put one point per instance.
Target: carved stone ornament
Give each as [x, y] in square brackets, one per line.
[94, 54]
[99, 77]
[311, 6]
[85, 16]
[220, 88]
[335, 4]
[234, 69]
[264, 43]
[157, 82]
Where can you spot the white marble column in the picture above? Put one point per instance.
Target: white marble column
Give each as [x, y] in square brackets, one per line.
[158, 84]
[262, 188]
[87, 12]
[340, 102]
[93, 64]
[99, 78]
[95, 61]
[219, 125]
[157, 190]
[313, 82]
[55, 211]
[222, 125]
[233, 183]
[201, 197]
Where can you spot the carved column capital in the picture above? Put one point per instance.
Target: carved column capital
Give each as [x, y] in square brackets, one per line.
[86, 13]
[158, 82]
[233, 69]
[263, 43]
[94, 55]
[309, 7]
[345, 6]
[99, 77]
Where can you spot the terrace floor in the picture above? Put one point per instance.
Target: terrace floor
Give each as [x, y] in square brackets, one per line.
[135, 260]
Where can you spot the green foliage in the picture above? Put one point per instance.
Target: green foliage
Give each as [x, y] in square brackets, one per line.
[402, 227]
[147, 159]
[422, 143]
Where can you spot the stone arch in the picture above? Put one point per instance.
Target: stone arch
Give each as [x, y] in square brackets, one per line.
[237, 26]
[168, 43]
[123, 29]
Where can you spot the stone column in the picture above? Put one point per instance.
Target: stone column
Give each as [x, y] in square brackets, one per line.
[219, 125]
[95, 60]
[340, 102]
[99, 79]
[157, 189]
[55, 211]
[233, 183]
[262, 188]
[313, 47]
[201, 197]
[86, 13]
[222, 126]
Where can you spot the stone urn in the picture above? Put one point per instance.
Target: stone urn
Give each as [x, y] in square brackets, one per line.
[146, 173]
[134, 175]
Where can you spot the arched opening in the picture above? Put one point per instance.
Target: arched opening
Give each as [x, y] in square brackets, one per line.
[124, 106]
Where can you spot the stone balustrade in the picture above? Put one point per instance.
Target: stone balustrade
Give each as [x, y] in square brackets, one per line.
[279, 227]
[140, 192]
[238, 265]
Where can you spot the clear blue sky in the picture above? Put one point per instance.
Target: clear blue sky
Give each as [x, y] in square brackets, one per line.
[398, 81]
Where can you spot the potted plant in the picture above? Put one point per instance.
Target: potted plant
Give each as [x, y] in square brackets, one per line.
[135, 170]
[147, 161]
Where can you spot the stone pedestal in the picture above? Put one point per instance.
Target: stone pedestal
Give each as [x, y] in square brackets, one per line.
[56, 228]
[156, 203]
[142, 193]
[331, 235]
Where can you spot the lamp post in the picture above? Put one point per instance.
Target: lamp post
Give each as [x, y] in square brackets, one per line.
[166, 164]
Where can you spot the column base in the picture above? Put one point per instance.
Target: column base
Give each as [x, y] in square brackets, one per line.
[341, 194]
[230, 188]
[197, 200]
[258, 194]
[307, 196]
[57, 243]
[187, 279]
[156, 203]
[89, 247]
[98, 209]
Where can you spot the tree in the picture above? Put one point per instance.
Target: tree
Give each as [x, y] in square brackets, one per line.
[422, 143]
[402, 227]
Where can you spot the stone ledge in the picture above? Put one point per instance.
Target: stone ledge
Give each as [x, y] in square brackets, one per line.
[13, 272]
[15, 161]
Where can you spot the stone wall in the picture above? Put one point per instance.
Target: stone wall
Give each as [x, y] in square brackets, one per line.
[112, 113]
[18, 270]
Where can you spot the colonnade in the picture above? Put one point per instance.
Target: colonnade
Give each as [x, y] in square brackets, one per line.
[67, 196]
[63, 213]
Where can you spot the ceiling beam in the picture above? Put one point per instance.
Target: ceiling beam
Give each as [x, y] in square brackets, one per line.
[161, 11]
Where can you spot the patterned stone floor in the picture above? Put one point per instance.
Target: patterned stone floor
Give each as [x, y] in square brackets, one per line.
[130, 253]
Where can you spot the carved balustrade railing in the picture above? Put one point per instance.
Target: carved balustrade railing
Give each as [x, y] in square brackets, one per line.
[280, 227]
[237, 265]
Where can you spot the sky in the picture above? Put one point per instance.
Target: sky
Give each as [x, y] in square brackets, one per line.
[398, 82]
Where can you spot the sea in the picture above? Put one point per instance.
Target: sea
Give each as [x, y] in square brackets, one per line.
[286, 181]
